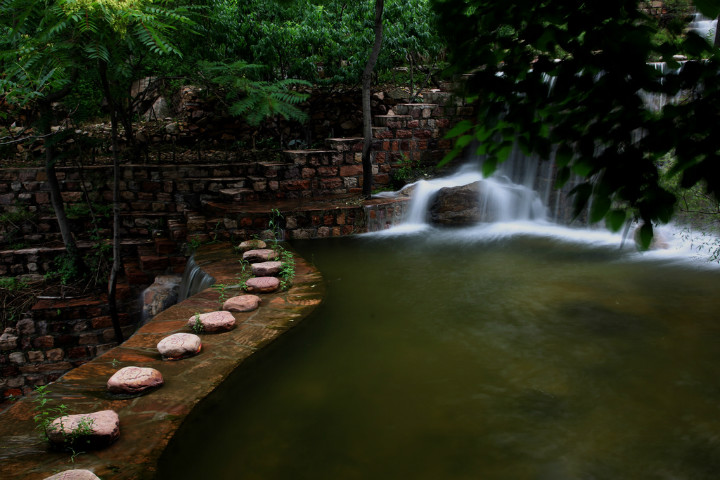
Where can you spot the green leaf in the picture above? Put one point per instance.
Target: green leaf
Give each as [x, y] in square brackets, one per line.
[644, 238]
[504, 152]
[563, 175]
[459, 129]
[463, 141]
[489, 166]
[563, 156]
[599, 207]
[615, 219]
[582, 168]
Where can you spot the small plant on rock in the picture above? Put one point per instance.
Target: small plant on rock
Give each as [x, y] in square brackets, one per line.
[46, 414]
[287, 270]
[222, 294]
[197, 326]
[245, 274]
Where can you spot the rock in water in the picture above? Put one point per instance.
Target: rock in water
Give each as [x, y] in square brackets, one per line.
[456, 205]
[213, 322]
[242, 303]
[262, 284]
[74, 475]
[179, 345]
[266, 269]
[251, 245]
[133, 380]
[96, 430]
[261, 255]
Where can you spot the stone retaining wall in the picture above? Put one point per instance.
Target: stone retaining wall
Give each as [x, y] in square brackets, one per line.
[57, 335]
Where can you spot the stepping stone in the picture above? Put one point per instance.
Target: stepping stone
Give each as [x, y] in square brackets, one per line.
[242, 303]
[266, 269]
[96, 430]
[133, 380]
[213, 322]
[261, 255]
[262, 284]
[74, 475]
[179, 345]
[251, 245]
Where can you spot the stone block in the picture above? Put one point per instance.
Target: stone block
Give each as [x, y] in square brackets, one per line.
[17, 358]
[55, 355]
[35, 356]
[8, 341]
[44, 342]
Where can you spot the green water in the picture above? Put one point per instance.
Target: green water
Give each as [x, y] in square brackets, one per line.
[526, 359]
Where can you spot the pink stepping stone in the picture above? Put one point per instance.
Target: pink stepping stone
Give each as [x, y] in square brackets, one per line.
[251, 245]
[179, 345]
[133, 380]
[213, 322]
[266, 269]
[74, 474]
[242, 303]
[97, 429]
[262, 284]
[261, 255]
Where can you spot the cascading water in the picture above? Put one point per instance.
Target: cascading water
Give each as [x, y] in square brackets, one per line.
[194, 280]
[518, 199]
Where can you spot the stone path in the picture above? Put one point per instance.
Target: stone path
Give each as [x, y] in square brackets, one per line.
[148, 422]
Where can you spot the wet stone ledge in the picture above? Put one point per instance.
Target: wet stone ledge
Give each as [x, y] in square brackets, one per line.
[148, 422]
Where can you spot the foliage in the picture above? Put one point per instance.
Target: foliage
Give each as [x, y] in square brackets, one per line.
[322, 41]
[16, 297]
[409, 171]
[12, 222]
[287, 269]
[46, 413]
[245, 274]
[221, 288]
[568, 83]
[253, 99]
[197, 326]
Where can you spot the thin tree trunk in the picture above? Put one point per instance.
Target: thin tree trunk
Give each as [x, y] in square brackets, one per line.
[112, 283]
[56, 200]
[716, 43]
[367, 114]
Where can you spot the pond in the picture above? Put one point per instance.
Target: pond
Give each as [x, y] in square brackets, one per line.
[463, 356]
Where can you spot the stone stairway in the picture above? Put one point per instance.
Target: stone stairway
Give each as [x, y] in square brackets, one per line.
[316, 190]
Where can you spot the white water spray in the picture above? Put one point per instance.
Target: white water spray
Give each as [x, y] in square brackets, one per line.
[514, 202]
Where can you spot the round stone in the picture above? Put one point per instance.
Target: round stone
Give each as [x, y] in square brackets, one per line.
[97, 429]
[74, 474]
[242, 303]
[266, 269]
[213, 322]
[179, 345]
[262, 284]
[251, 245]
[261, 255]
[132, 380]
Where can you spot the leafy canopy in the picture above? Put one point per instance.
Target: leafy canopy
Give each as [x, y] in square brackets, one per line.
[569, 81]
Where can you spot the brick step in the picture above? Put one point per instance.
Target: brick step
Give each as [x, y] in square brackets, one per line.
[214, 184]
[443, 99]
[238, 194]
[415, 110]
[393, 121]
[350, 144]
[309, 157]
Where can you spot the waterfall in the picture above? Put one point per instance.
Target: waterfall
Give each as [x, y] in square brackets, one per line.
[194, 280]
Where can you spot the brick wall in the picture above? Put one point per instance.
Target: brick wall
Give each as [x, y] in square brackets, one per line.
[57, 335]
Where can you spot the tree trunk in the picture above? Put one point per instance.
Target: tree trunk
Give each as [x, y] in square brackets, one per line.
[112, 282]
[73, 253]
[716, 43]
[367, 114]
